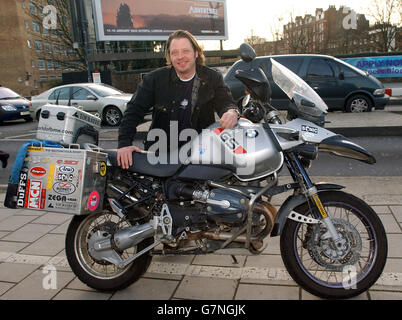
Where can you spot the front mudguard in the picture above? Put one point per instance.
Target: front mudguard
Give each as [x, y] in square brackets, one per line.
[294, 201]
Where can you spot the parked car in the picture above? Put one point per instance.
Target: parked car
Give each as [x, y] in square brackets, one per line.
[341, 85]
[108, 102]
[13, 106]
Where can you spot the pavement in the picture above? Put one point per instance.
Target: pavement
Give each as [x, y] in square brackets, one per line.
[32, 247]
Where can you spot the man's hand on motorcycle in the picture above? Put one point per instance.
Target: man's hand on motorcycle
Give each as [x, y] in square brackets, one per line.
[229, 119]
[125, 156]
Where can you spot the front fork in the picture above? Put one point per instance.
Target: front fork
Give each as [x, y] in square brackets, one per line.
[297, 171]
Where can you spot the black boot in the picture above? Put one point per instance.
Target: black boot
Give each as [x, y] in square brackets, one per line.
[4, 158]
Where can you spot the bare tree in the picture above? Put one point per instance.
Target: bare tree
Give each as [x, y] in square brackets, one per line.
[253, 39]
[388, 17]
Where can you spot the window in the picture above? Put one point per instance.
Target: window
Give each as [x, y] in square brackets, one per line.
[61, 94]
[26, 24]
[23, 4]
[35, 27]
[32, 7]
[32, 63]
[41, 64]
[36, 84]
[29, 44]
[43, 78]
[48, 47]
[38, 45]
[80, 93]
[319, 68]
[50, 65]
[56, 49]
[292, 63]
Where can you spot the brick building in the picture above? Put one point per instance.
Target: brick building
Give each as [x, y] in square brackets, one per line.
[31, 55]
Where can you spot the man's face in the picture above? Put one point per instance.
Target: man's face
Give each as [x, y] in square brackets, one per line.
[182, 56]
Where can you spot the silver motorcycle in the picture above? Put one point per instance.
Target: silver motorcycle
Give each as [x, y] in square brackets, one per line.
[218, 200]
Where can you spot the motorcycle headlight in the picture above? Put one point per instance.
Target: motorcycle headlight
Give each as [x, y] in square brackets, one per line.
[8, 107]
[379, 92]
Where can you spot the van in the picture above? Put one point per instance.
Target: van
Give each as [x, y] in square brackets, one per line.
[341, 85]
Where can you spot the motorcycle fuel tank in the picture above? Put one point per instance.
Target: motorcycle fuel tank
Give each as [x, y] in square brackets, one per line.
[246, 149]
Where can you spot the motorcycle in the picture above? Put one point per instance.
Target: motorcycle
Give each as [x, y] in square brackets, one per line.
[332, 243]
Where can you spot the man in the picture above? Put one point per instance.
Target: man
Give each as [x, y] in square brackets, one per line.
[185, 91]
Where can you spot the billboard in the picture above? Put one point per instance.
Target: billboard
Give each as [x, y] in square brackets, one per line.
[122, 20]
[379, 67]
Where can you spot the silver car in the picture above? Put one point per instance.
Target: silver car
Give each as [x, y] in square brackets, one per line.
[104, 100]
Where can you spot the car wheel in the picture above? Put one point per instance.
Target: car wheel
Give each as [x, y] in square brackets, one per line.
[112, 116]
[37, 116]
[358, 103]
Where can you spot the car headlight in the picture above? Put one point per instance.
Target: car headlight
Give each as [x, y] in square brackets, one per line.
[379, 92]
[8, 107]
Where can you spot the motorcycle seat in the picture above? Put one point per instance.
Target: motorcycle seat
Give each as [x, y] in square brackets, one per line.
[141, 165]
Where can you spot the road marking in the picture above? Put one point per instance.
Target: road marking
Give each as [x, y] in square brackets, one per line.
[181, 269]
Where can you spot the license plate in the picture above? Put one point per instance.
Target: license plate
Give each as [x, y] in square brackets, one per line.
[24, 113]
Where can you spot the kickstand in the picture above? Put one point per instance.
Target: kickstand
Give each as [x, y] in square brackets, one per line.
[234, 259]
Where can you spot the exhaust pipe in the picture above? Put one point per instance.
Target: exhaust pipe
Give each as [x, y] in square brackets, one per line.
[130, 237]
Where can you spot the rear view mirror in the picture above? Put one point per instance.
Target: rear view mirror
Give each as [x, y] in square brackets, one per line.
[91, 97]
[307, 103]
[247, 53]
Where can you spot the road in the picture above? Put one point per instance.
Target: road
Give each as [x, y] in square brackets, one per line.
[387, 151]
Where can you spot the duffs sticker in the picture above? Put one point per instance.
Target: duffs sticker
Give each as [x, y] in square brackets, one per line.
[93, 200]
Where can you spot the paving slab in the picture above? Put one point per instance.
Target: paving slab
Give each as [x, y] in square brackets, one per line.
[48, 245]
[266, 292]
[147, 289]
[29, 233]
[200, 288]
[15, 272]
[67, 294]
[53, 218]
[15, 222]
[32, 288]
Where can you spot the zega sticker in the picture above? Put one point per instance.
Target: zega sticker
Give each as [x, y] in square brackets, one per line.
[93, 200]
[309, 129]
[102, 170]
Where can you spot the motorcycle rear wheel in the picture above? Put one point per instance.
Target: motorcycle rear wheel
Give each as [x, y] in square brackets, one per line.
[306, 255]
[100, 274]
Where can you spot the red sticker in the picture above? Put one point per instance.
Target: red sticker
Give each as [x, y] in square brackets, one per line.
[38, 171]
[93, 200]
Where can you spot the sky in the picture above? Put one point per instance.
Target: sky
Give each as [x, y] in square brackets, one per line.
[263, 15]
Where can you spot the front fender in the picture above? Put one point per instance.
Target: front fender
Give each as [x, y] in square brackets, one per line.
[294, 201]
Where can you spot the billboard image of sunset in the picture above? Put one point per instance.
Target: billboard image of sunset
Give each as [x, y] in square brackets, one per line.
[156, 19]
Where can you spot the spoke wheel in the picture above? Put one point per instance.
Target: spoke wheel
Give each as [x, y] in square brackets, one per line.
[314, 262]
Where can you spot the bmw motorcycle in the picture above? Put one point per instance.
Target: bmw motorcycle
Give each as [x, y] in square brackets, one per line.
[332, 243]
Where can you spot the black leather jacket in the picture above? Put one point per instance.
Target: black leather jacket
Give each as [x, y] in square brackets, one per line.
[159, 90]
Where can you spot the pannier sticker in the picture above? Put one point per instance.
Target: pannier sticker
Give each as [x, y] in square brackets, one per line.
[102, 170]
[34, 195]
[50, 177]
[32, 148]
[38, 171]
[309, 129]
[63, 188]
[22, 187]
[93, 200]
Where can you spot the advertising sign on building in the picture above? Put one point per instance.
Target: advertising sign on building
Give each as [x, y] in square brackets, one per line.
[379, 67]
[118, 20]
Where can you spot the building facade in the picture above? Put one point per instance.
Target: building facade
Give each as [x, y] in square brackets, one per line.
[32, 54]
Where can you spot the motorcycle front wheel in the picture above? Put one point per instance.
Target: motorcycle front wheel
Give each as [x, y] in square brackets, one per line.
[97, 273]
[312, 259]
